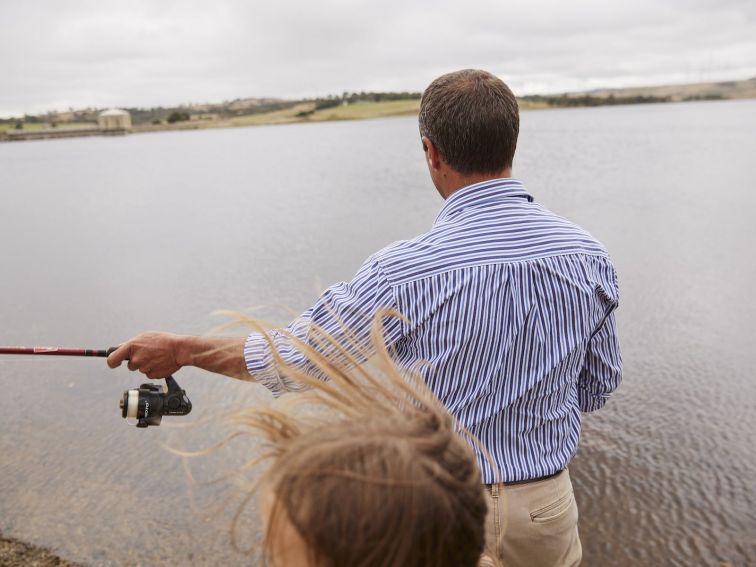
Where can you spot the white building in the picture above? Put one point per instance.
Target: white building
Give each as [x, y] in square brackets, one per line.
[114, 120]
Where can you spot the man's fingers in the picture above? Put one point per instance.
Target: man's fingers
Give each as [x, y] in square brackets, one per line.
[149, 353]
[119, 355]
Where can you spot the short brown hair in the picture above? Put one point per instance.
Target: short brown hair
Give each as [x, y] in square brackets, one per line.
[381, 477]
[472, 118]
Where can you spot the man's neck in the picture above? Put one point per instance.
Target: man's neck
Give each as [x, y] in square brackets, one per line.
[453, 181]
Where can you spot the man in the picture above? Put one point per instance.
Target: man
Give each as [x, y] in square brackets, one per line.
[508, 312]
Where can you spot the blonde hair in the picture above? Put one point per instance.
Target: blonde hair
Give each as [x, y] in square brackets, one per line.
[375, 474]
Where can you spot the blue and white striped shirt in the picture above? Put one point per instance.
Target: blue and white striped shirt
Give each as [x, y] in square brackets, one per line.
[511, 305]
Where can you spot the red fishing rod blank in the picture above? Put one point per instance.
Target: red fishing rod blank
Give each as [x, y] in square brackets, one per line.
[57, 351]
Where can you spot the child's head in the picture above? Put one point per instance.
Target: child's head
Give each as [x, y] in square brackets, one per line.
[375, 491]
[375, 476]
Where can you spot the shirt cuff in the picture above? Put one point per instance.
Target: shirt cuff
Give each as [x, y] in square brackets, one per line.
[590, 401]
[259, 361]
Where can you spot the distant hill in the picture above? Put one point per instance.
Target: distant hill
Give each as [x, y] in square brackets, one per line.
[639, 95]
[692, 91]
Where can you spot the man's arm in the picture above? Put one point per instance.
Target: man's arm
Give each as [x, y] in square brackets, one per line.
[602, 369]
[345, 312]
[158, 355]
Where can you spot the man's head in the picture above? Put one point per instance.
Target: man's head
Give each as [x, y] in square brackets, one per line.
[471, 119]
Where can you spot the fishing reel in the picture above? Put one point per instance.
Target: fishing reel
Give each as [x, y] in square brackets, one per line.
[150, 402]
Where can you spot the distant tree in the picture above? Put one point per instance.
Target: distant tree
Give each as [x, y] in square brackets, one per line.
[329, 102]
[705, 96]
[178, 116]
[19, 125]
[565, 100]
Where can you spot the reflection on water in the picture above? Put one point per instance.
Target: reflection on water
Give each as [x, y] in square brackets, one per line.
[103, 238]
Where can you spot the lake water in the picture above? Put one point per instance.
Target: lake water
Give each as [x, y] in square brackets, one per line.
[105, 237]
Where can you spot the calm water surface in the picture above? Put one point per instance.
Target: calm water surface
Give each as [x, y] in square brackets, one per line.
[105, 237]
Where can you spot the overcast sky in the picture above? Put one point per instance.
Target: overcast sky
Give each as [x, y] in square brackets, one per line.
[56, 54]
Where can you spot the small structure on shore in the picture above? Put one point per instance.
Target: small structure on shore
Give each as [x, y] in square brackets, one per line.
[114, 121]
[111, 122]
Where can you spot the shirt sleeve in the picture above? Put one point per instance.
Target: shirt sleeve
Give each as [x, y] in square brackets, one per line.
[602, 369]
[345, 311]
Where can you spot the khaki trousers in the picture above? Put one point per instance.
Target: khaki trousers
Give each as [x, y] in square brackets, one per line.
[534, 524]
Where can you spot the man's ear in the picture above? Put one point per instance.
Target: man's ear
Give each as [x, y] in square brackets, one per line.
[432, 155]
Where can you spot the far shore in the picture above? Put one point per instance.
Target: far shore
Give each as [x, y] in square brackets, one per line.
[301, 113]
[335, 108]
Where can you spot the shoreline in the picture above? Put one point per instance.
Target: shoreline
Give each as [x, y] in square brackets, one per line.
[299, 114]
[16, 553]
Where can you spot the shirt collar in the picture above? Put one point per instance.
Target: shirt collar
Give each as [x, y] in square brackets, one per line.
[485, 193]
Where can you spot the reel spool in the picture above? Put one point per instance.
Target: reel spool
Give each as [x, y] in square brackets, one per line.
[150, 402]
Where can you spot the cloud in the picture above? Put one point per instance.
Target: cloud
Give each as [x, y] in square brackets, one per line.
[144, 53]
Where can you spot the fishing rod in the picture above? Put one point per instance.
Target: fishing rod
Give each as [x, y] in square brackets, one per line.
[56, 351]
[147, 404]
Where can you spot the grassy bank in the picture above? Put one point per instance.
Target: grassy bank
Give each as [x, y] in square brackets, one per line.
[42, 126]
[299, 113]
[306, 112]
[302, 112]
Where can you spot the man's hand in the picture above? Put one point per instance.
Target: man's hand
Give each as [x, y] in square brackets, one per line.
[154, 354]
[159, 355]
